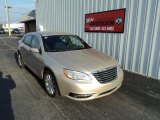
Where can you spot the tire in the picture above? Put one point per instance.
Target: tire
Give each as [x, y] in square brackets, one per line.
[20, 60]
[50, 84]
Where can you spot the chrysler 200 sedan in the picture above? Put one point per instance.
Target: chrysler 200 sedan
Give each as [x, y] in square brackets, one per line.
[69, 66]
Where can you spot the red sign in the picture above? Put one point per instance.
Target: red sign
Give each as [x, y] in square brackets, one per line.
[108, 21]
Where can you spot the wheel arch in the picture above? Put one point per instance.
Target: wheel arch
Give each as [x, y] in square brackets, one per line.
[49, 69]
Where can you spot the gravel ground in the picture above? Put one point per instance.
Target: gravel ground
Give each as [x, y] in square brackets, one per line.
[22, 96]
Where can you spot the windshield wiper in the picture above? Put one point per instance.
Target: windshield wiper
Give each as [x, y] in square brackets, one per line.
[79, 48]
[59, 50]
[53, 50]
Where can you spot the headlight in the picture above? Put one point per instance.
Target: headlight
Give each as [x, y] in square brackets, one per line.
[76, 75]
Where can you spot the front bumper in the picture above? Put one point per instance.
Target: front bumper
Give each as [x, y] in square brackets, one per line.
[82, 91]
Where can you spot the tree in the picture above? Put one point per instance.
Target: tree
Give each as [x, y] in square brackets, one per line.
[1, 26]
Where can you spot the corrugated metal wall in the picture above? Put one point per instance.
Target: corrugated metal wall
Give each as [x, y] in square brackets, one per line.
[137, 49]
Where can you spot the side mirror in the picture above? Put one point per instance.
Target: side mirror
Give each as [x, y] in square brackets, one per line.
[34, 50]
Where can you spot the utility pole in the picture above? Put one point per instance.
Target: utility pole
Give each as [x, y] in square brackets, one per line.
[8, 17]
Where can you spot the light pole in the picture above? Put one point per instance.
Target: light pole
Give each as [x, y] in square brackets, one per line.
[8, 17]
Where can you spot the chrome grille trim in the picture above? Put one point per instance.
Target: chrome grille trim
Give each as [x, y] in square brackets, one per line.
[106, 75]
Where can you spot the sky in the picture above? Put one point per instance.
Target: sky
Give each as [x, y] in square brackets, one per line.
[19, 7]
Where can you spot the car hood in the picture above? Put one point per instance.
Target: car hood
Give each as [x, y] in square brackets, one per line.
[83, 60]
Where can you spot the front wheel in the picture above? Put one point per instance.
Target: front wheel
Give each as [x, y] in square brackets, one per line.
[50, 84]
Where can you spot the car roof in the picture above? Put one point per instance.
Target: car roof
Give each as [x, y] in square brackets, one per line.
[48, 33]
[53, 33]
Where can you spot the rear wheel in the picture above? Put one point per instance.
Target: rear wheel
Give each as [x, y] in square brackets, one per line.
[50, 84]
[20, 60]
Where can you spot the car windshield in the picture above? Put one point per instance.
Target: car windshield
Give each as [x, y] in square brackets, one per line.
[60, 43]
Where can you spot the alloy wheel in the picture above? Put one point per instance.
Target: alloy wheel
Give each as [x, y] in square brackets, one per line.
[50, 84]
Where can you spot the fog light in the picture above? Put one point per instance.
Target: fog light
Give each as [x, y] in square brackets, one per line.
[80, 95]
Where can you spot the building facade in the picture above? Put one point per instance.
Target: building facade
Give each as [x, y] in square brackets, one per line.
[29, 20]
[137, 49]
[30, 26]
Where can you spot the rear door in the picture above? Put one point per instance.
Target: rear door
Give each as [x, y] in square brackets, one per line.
[25, 48]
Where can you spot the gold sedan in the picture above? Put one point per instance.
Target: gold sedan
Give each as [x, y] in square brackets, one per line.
[69, 66]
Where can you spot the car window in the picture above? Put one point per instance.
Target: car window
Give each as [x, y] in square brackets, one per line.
[27, 40]
[35, 42]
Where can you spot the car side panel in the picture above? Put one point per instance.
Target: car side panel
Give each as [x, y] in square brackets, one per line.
[36, 63]
[24, 50]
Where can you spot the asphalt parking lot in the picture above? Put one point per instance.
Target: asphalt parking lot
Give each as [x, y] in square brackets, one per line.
[22, 96]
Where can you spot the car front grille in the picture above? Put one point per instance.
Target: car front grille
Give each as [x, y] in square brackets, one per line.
[106, 75]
